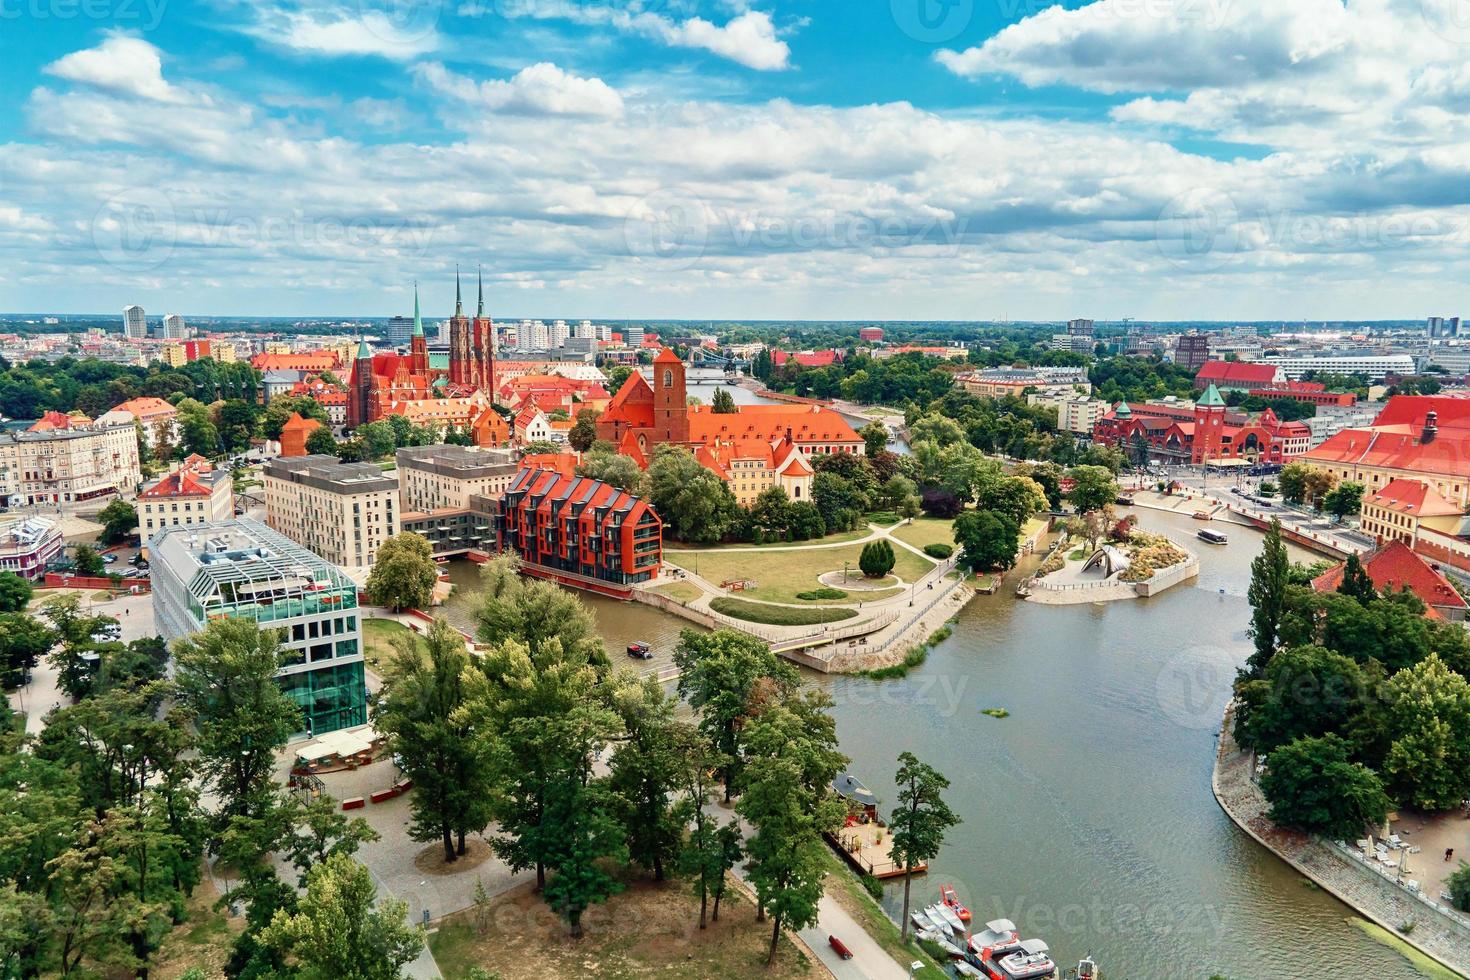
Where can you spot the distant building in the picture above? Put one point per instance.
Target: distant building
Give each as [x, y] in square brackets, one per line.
[871, 335]
[1192, 351]
[159, 419]
[28, 545]
[342, 512]
[1371, 366]
[1440, 327]
[997, 383]
[1079, 328]
[278, 382]
[399, 331]
[1076, 343]
[193, 494]
[294, 434]
[1332, 419]
[1206, 432]
[1237, 376]
[70, 463]
[174, 328]
[135, 323]
[314, 362]
[244, 570]
[433, 478]
[1075, 414]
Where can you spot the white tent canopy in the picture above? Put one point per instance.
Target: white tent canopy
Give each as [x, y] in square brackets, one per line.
[341, 744]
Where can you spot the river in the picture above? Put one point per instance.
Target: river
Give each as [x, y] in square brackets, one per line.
[1088, 817]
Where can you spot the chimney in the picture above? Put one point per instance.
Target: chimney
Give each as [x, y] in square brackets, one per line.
[1431, 428]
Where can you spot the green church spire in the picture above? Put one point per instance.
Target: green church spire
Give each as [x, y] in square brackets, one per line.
[1211, 398]
[418, 321]
[458, 303]
[480, 278]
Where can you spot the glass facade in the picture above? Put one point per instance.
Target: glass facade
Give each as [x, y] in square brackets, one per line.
[330, 697]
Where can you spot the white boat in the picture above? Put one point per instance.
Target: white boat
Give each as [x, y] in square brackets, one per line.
[950, 917]
[939, 938]
[921, 921]
[966, 970]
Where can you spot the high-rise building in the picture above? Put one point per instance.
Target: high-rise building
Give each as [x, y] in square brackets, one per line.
[241, 569]
[1192, 351]
[174, 328]
[135, 322]
[1442, 327]
[1079, 328]
[400, 329]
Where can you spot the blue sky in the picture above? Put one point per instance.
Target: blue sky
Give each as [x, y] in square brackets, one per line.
[958, 159]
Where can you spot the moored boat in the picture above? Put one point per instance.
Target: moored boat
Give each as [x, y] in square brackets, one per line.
[1211, 537]
[921, 921]
[948, 916]
[952, 901]
[939, 938]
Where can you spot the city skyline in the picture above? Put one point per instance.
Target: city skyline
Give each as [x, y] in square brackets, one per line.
[683, 160]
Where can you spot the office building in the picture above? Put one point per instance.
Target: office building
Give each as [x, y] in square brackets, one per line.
[1442, 328]
[399, 331]
[342, 512]
[242, 569]
[135, 323]
[1371, 366]
[1079, 328]
[433, 478]
[174, 328]
[1192, 351]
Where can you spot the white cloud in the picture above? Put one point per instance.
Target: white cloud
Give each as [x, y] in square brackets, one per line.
[542, 89]
[370, 33]
[123, 64]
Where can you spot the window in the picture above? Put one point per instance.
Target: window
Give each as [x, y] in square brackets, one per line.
[668, 378]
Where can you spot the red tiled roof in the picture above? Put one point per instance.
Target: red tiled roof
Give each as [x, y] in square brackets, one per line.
[1415, 498]
[1236, 372]
[1394, 567]
[146, 408]
[807, 423]
[1397, 447]
[312, 361]
[667, 356]
[1453, 412]
[182, 482]
[820, 358]
[627, 405]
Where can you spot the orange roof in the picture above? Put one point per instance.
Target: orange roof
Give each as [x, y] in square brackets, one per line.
[58, 420]
[297, 423]
[627, 405]
[146, 408]
[312, 361]
[189, 480]
[563, 463]
[667, 356]
[1413, 498]
[629, 447]
[807, 424]
[1394, 567]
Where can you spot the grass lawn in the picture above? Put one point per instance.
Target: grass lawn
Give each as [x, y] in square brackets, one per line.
[378, 636]
[848, 892]
[647, 930]
[755, 612]
[838, 538]
[202, 940]
[679, 591]
[779, 575]
[926, 530]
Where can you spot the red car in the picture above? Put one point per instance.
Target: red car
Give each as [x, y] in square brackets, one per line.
[840, 947]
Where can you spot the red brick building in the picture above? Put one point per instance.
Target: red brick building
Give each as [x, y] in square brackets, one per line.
[1238, 376]
[1394, 567]
[1208, 432]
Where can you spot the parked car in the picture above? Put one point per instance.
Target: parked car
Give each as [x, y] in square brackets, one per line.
[109, 558]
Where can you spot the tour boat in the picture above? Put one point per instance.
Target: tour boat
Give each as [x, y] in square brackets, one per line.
[1029, 959]
[948, 916]
[1211, 537]
[952, 901]
[1087, 968]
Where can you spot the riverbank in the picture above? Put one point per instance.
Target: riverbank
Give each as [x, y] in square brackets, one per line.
[1375, 898]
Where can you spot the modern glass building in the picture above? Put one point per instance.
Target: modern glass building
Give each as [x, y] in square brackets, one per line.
[242, 569]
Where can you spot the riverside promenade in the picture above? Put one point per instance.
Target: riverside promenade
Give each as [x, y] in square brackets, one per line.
[1434, 933]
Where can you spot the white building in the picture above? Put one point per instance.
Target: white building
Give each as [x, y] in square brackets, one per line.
[174, 328]
[1373, 366]
[340, 511]
[135, 322]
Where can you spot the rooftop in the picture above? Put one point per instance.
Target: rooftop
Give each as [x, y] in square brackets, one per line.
[331, 474]
[1394, 567]
[465, 462]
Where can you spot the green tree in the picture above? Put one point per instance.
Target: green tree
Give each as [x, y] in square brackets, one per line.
[1307, 691]
[876, 559]
[342, 930]
[15, 593]
[321, 442]
[320, 829]
[693, 502]
[919, 822]
[711, 849]
[377, 438]
[1016, 498]
[1270, 577]
[226, 676]
[119, 520]
[513, 607]
[875, 437]
[723, 403]
[613, 469]
[771, 513]
[404, 573]
[88, 560]
[1344, 500]
[1094, 489]
[1293, 482]
[1313, 786]
[584, 431]
[1428, 764]
[725, 676]
[1356, 583]
[23, 641]
[1458, 884]
[645, 772]
[425, 713]
[987, 540]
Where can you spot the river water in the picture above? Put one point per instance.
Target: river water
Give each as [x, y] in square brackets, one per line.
[1088, 814]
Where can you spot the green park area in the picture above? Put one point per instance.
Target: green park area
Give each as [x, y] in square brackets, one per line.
[760, 612]
[780, 575]
[679, 591]
[926, 530]
[646, 930]
[837, 538]
[378, 637]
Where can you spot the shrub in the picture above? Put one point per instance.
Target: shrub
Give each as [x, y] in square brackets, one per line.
[876, 559]
[755, 612]
[883, 517]
[941, 503]
[939, 550]
[874, 886]
[824, 592]
[1459, 886]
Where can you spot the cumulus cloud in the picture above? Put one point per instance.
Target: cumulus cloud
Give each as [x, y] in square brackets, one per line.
[122, 64]
[371, 33]
[542, 89]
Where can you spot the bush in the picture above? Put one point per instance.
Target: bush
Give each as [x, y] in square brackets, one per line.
[1459, 886]
[939, 550]
[941, 503]
[823, 593]
[883, 517]
[755, 612]
[876, 559]
[874, 886]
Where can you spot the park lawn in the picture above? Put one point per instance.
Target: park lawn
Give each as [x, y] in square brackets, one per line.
[926, 530]
[647, 930]
[845, 889]
[839, 537]
[756, 612]
[202, 940]
[378, 636]
[679, 591]
[779, 575]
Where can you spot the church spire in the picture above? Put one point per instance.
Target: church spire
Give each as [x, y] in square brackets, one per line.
[418, 321]
[480, 278]
[458, 303]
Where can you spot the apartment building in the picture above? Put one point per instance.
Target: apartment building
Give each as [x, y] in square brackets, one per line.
[28, 545]
[244, 570]
[1075, 414]
[342, 512]
[195, 494]
[434, 478]
[62, 466]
